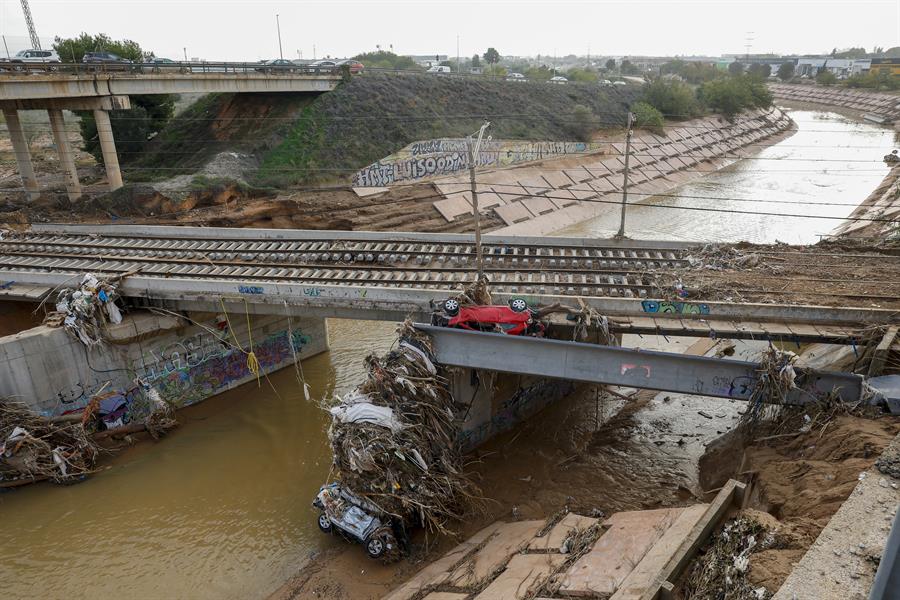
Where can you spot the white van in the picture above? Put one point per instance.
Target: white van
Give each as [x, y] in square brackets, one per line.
[439, 69]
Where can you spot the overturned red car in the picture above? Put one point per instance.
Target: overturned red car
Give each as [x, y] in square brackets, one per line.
[513, 319]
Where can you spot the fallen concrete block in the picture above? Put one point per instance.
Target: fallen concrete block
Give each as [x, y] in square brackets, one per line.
[617, 552]
[508, 539]
[557, 535]
[523, 573]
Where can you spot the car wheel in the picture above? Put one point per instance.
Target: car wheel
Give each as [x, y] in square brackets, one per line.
[518, 305]
[325, 523]
[451, 306]
[375, 547]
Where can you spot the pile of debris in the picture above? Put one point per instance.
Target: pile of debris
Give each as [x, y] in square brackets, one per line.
[394, 439]
[87, 309]
[722, 568]
[34, 448]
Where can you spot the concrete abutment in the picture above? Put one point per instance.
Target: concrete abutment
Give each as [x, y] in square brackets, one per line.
[186, 361]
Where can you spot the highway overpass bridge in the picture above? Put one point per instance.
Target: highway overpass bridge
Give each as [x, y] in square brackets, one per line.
[393, 276]
[105, 88]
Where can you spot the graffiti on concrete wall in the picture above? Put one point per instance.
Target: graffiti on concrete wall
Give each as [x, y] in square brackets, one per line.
[185, 371]
[192, 369]
[446, 156]
[679, 308]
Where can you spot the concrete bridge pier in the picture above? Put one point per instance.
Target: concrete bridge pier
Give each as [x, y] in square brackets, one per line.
[55, 107]
[64, 151]
[22, 152]
[108, 147]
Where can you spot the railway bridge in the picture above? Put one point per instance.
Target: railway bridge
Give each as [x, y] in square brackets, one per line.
[393, 276]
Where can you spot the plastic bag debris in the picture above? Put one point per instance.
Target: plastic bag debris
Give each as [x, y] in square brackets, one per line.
[88, 308]
[364, 412]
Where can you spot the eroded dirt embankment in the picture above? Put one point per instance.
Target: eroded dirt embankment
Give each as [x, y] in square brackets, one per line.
[800, 479]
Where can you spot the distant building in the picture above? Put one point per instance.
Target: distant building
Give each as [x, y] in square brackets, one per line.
[842, 68]
[891, 66]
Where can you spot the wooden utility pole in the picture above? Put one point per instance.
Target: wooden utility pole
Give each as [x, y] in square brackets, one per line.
[474, 150]
[621, 233]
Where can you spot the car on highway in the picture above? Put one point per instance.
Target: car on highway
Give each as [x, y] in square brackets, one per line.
[354, 65]
[514, 319]
[157, 63]
[516, 77]
[439, 69]
[559, 80]
[276, 65]
[619, 83]
[606, 83]
[35, 56]
[105, 60]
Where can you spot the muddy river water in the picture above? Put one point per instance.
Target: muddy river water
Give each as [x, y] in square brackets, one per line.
[829, 165]
[220, 508]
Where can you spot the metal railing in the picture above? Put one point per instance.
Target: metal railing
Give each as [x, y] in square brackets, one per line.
[8, 67]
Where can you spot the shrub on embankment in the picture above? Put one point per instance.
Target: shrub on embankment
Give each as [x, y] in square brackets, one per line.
[305, 139]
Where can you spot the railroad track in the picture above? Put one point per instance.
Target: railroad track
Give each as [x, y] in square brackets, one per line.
[525, 268]
[549, 267]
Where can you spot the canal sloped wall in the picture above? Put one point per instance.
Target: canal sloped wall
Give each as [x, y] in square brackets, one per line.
[53, 373]
[591, 185]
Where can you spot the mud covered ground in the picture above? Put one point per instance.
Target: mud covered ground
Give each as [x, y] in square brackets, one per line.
[233, 205]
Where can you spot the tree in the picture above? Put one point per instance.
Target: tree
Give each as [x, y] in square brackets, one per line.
[611, 64]
[382, 59]
[761, 71]
[542, 73]
[786, 71]
[131, 128]
[628, 68]
[491, 57]
[73, 49]
[825, 77]
[672, 98]
[648, 117]
[578, 74]
[476, 61]
[583, 122]
[731, 95]
[736, 68]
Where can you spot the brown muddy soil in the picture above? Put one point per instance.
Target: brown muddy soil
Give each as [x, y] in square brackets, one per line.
[401, 209]
[798, 481]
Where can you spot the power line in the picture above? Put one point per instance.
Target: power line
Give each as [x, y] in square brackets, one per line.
[615, 202]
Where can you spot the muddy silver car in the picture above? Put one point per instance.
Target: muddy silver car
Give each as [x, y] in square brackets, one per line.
[357, 520]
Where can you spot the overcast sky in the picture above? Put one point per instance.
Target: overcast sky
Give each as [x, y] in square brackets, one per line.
[232, 30]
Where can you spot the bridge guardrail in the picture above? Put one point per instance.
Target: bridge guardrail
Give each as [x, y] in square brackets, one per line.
[18, 68]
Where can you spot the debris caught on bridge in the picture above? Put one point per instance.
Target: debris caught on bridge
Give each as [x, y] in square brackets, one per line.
[89, 308]
[394, 439]
[776, 378]
[33, 448]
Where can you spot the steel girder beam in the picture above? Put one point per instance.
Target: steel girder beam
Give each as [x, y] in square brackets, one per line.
[609, 365]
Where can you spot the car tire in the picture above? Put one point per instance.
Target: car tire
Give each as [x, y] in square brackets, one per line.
[518, 305]
[375, 546]
[325, 523]
[451, 306]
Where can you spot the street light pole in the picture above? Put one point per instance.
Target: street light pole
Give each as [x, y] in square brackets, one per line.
[473, 153]
[621, 233]
[278, 26]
